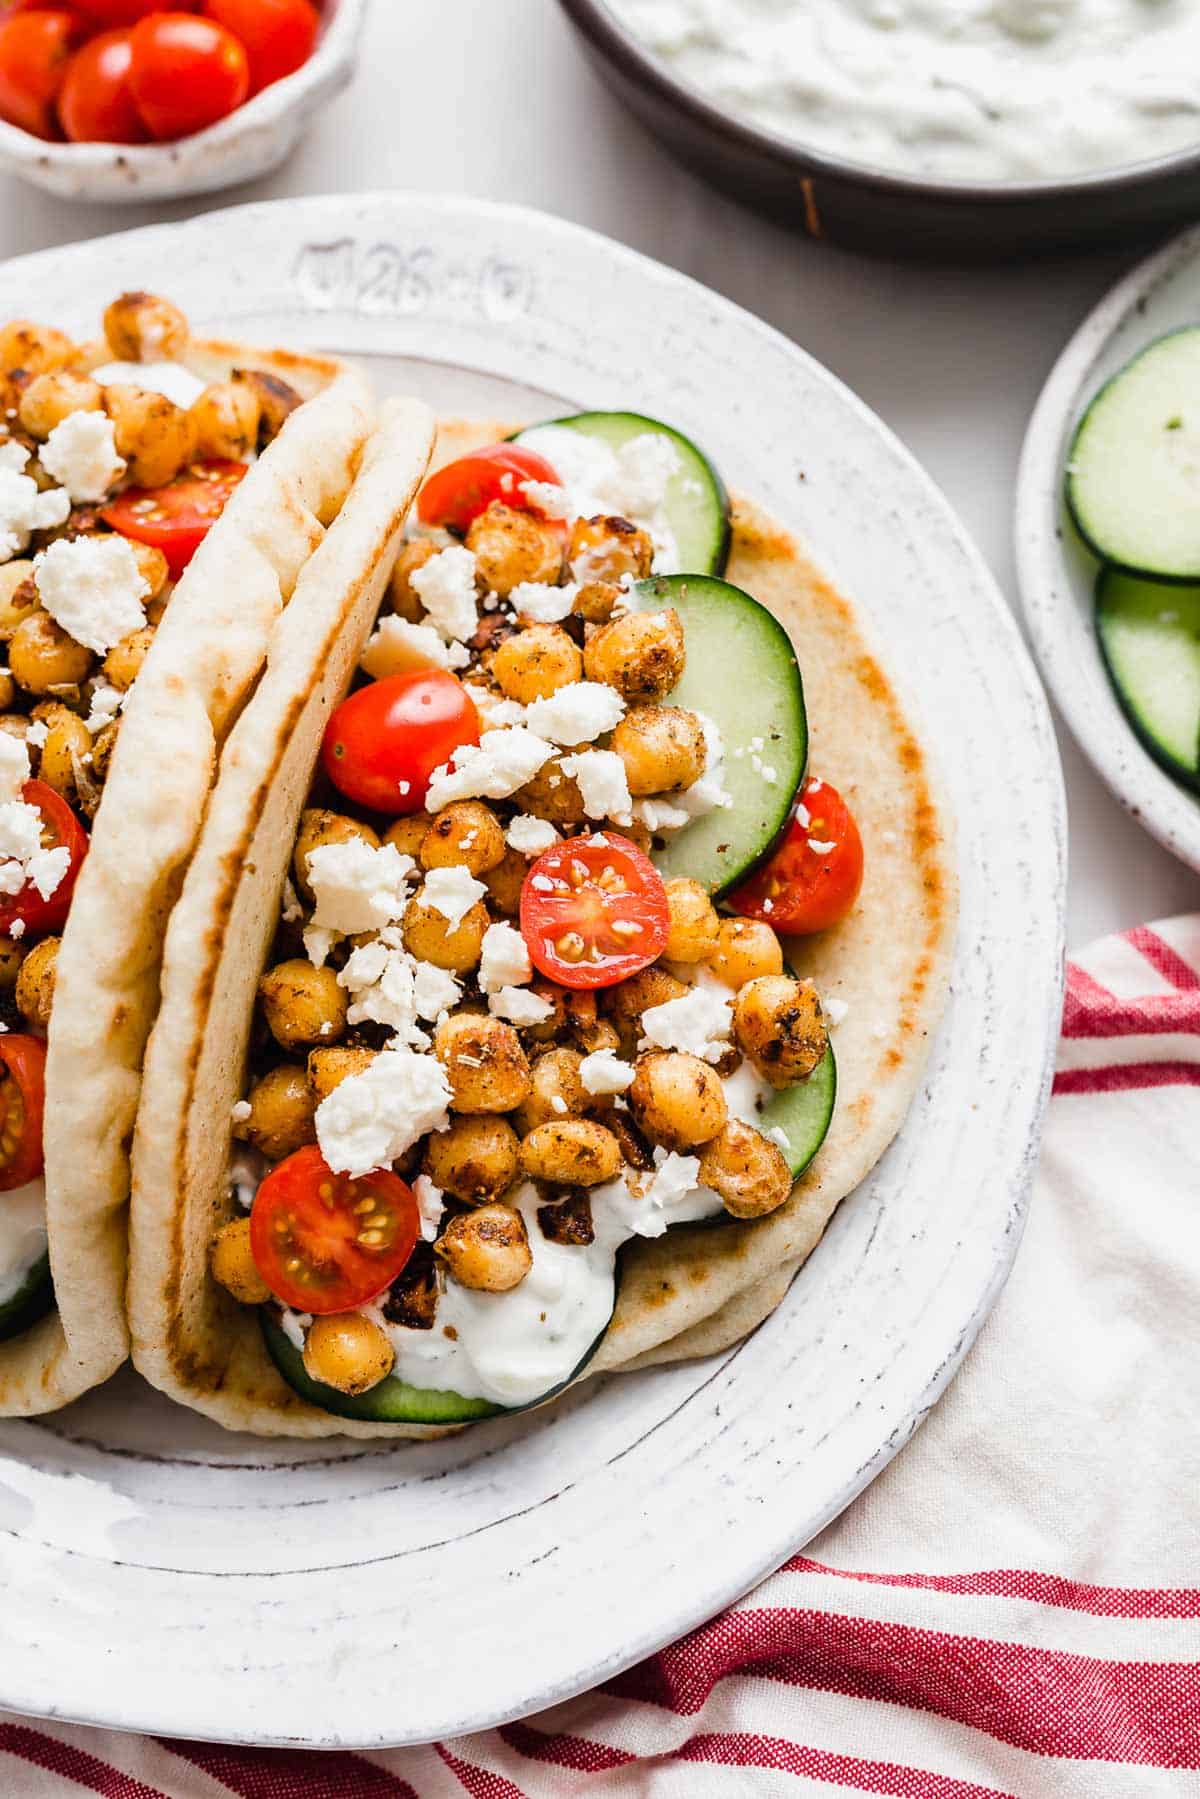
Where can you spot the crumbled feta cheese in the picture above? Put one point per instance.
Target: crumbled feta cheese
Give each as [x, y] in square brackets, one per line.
[542, 604]
[23, 510]
[648, 1206]
[631, 480]
[505, 959]
[604, 1072]
[578, 713]
[170, 379]
[835, 1010]
[14, 766]
[93, 588]
[294, 1325]
[558, 1104]
[698, 1022]
[106, 703]
[372, 1118]
[530, 836]
[452, 892]
[397, 647]
[380, 978]
[317, 943]
[37, 733]
[821, 848]
[445, 586]
[358, 887]
[81, 454]
[291, 911]
[602, 784]
[519, 1006]
[13, 455]
[240, 1111]
[548, 498]
[495, 712]
[660, 815]
[493, 769]
[435, 990]
[431, 1204]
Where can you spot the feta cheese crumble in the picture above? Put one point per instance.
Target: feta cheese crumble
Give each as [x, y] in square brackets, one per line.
[631, 480]
[452, 892]
[495, 712]
[23, 861]
[505, 959]
[371, 1118]
[93, 588]
[445, 586]
[356, 886]
[23, 510]
[542, 604]
[698, 1022]
[431, 1204]
[519, 1006]
[602, 784]
[578, 713]
[397, 647]
[106, 703]
[530, 836]
[81, 454]
[491, 770]
[604, 1072]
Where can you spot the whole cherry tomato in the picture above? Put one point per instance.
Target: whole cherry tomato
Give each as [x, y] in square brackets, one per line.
[60, 830]
[22, 1107]
[313, 1241]
[128, 12]
[278, 34]
[593, 911]
[384, 742]
[458, 493]
[176, 518]
[35, 48]
[812, 879]
[187, 73]
[96, 103]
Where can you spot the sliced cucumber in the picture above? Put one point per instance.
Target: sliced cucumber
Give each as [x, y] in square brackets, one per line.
[1150, 637]
[742, 672]
[1133, 473]
[803, 1113]
[697, 504]
[32, 1300]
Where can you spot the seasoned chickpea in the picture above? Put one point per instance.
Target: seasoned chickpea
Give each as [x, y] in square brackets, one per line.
[234, 1266]
[408, 834]
[487, 1249]
[35, 983]
[641, 654]
[123, 664]
[142, 327]
[152, 567]
[692, 933]
[51, 398]
[430, 936]
[552, 795]
[748, 1171]
[155, 436]
[402, 596]
[485, 1065]
[534, 663]
[555, 1091]
[677, 1099]
[11, 957]
[319, 827]
[42, 656]
[225, 420]
[281, 1113]
[277, 400]
[649, 987]
[102, 750]
[34, 348]
[328, 1068]
[466, 834]
[778, 1023]
[67, 741]
[605, 549]
[475, 1160]
[347, 1351]
[511, 547]
[745, 949]
[595, 601]
[302, 1004]
[505, 881]
[575, 1152]
[8, 691]
[662, 748]
[18, 595]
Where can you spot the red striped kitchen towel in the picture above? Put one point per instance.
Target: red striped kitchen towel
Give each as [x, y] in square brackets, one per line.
[1012, 1611]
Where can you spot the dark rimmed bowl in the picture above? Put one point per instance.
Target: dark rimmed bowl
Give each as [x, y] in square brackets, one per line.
[862, 208]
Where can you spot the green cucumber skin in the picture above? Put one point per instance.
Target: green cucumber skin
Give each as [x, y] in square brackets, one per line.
[1107, 595]
[33, 1300]
[820, 1087]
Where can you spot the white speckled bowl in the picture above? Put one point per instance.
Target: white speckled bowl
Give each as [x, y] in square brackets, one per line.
[249, 143]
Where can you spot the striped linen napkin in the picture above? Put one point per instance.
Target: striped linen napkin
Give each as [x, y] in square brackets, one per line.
[1012, 1611]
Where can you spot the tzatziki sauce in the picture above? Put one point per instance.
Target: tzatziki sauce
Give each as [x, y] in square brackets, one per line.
[968, 90]
[23, 1240]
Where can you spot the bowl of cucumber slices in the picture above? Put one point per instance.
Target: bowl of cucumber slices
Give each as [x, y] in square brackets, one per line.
[1108, 541]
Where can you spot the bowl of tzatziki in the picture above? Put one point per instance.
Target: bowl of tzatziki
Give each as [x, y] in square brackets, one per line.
[929, 127]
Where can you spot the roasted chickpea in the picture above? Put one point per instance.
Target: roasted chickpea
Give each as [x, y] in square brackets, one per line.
[505, 881]
[402, 596]
[641, 654]
[36, 349]
[553, 795]
[277, 400]
[511, 547]
[677, 1099]
[475, 1160]
[662, 747]
[8, 691]
[485, 1065]
[123, 664]
[319, 827]
[346, 1351]
[574, 1152]
[328, 1068]
[153, 568]
[466, 834]
[51, 398]
[487, 1249]
[281, 1113]
[605, 549]
[778, 1023]
[302, 1005]
[155, 436]
[429, 935]
[233, 1265]
[42, 656]
[102, 750]
[555, 1091]
[692, 933]
[67, 741]
[225, 420]
[534, 663]
[144, 328]
[744, 950]
[18, 595]
[408, 834]
[595, 602]
[748, 1170]
[649, 987]
[11, 957]
[35, 983]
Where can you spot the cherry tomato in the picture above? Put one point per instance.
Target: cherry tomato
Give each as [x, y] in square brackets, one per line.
[384, 742]
[187, 73]
[60, 830]
[177, 518]
[128, 12]
[603, 915]
[812, 879]
[96, 102]
[326, 1243]
[22, 1106]
[35, 48]
[462, 490]
[278, 34]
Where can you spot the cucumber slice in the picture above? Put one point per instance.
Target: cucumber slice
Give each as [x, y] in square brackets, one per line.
[803, 1113]
[1150, 638]
[1133, 473]
[697, 504]
[742, 672]
[32, 1300]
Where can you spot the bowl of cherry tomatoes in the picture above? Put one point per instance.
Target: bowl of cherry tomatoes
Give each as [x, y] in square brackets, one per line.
[150, 99]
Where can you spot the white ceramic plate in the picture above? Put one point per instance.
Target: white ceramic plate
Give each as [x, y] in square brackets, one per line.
[160, 1575]
[1058, 574]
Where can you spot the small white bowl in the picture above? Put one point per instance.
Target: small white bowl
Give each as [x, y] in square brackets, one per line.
[250, 142]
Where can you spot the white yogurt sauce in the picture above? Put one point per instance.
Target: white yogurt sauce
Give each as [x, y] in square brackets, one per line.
[985, 90]
[171, 379]
[23, 1238]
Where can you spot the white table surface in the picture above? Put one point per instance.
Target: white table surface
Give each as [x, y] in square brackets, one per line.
[493, 98]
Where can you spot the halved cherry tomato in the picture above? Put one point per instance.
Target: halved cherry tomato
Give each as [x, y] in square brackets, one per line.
[384, 742]
[22, 1107]
[35, 48]
[60, 830]
[458, 493]
[812, 879]
[177, 518]
[187, 73]
[96, 103]
[278, 34]
[593, 911]
[324, 1242]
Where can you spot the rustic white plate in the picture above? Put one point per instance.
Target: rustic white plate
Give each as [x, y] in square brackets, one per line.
[159, 1575]
[1057, 572]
